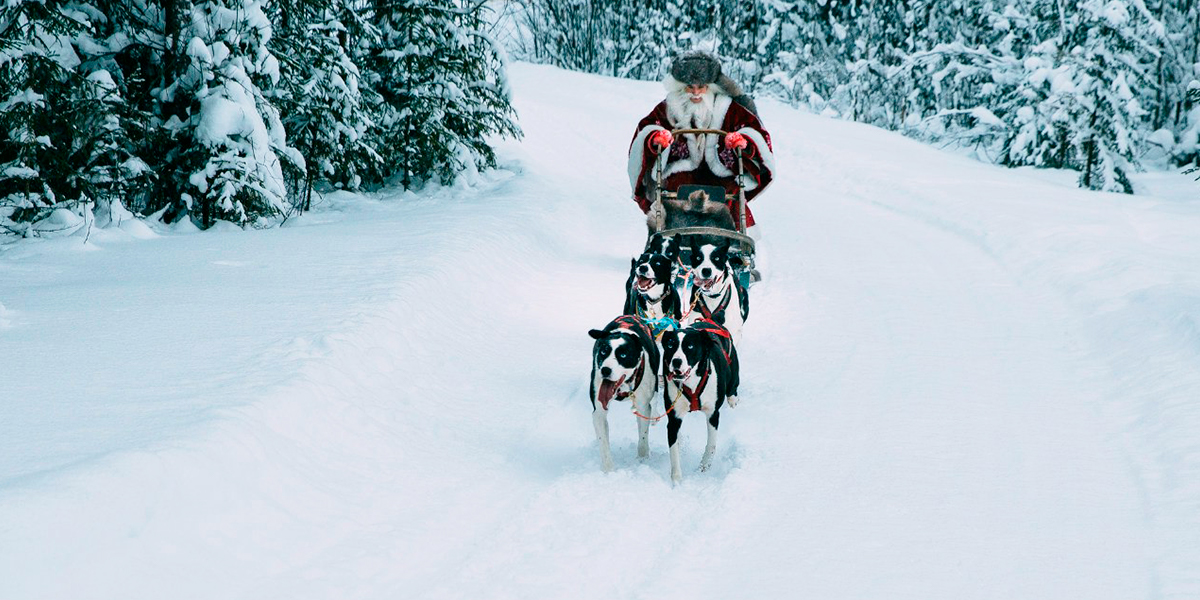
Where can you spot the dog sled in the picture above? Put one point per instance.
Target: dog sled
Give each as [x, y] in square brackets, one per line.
[699, 214]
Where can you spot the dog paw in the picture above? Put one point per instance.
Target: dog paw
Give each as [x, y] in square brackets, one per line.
[732, 401]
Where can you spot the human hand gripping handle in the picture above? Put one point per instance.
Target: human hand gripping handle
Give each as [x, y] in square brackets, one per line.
[659, 139]
[737, 141]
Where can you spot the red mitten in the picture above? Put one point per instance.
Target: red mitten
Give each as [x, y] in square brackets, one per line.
[659, 139]
[736, 141]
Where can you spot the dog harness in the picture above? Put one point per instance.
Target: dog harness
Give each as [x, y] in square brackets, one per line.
[632, 323]
[636, 326]
[693, 396]
[724, 340]
[661, 325]
[724, 344]
[717, 313]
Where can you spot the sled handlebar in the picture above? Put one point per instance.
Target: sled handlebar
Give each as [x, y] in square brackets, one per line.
[698, 131]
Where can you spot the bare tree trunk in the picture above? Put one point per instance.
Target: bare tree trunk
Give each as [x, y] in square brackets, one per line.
[171, 21]
[1090, 149]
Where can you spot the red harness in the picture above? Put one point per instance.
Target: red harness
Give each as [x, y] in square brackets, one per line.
[693, 396]
[725, 345]
[634, 323]
[719, 311]
[725, 342]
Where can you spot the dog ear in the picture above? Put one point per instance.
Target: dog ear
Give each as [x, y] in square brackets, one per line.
[652, 241]
[598, 334]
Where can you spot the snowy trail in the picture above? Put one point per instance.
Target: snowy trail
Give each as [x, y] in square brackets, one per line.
[926, 424]
[919, 419]
[942, 424]
[914, 428]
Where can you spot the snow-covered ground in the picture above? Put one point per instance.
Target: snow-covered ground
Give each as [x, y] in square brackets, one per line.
[960, 382]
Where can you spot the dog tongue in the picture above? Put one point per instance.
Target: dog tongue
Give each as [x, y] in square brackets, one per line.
[607, 390]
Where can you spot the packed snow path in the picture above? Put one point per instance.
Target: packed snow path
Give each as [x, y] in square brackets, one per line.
[925, 411]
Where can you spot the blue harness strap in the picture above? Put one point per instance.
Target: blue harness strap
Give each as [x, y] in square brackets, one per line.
[660, 325]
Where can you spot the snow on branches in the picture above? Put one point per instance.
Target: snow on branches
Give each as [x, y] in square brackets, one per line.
[1090, 85]
[236, 109]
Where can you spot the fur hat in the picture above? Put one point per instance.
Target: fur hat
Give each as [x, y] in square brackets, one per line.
[696, 68]
[701, 68]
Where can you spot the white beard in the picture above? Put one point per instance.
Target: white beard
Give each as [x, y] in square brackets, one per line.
[686, 114]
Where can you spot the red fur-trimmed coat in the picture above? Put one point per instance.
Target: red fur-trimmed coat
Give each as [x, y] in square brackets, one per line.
[703, 162]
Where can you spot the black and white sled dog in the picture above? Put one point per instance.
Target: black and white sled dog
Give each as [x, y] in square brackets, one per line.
[715, 292]
[666, 245]
[700, 365]
[625, 362]
[650, 290]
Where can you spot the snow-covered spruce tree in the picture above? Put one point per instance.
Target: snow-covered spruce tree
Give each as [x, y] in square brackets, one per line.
[1177, 107]
[117, 51]
[109, 173]
[37, 74]
[867, 39]
[621, 39]
[323, 107]
[229, 145]
[1108, 50]
[443, 88]
[962, 69]
[1175, 69]
[1058, 85]
[797, 62]
[1189, 143]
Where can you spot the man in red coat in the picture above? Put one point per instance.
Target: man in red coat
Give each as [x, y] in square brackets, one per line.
[700, 97]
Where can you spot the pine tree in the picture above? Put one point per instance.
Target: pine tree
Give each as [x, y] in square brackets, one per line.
[37, 75]
[110, 172]
[327, 117]
[443, 89]
[231, 148]
[1191, 139]
[1114, 42]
